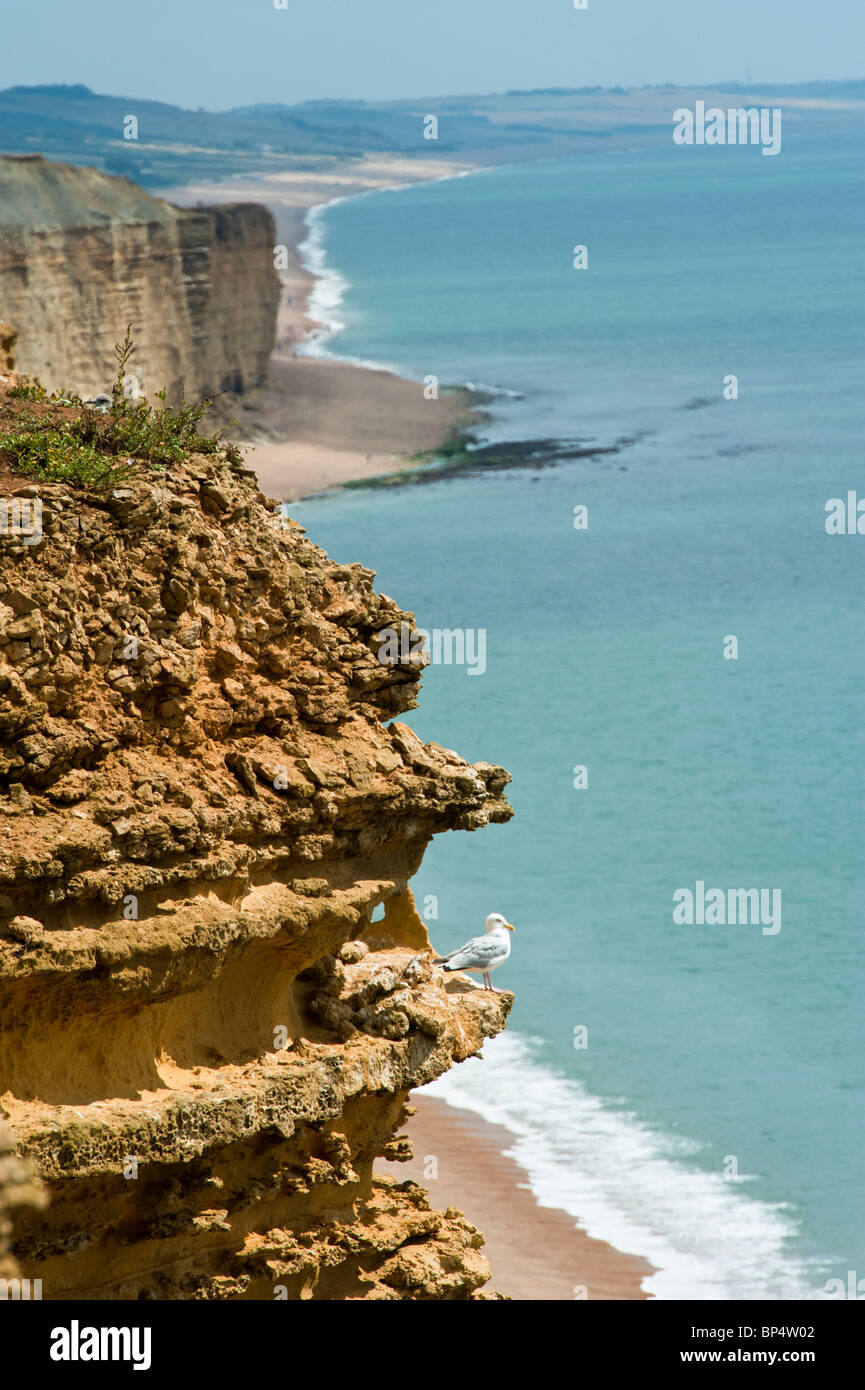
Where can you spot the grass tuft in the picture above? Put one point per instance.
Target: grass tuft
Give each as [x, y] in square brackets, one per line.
[98, 447]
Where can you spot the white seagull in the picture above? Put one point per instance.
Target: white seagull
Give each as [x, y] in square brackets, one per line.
[483, 953]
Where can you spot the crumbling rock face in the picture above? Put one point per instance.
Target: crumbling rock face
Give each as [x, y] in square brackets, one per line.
[83, 254]
[19, 1189]
[205, 1040]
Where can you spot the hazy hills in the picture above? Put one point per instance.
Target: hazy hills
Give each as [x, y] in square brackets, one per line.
[175, 145]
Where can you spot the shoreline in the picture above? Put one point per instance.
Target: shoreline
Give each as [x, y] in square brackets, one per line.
[535, 1252]
[318, 422]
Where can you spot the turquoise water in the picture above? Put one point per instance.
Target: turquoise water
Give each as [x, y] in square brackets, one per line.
[711, 1049]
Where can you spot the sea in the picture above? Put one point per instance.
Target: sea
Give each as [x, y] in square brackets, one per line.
[673, 671]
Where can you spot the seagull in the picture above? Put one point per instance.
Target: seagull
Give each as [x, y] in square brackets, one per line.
[483, 953]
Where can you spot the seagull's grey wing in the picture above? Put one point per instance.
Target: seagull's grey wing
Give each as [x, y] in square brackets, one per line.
[476, 954]
[460, 950]
[467, 949]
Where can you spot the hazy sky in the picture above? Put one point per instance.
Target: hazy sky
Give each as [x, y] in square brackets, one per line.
[221, 53]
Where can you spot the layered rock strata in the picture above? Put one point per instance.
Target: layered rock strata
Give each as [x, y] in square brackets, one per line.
[83, 254]
[206, 1041]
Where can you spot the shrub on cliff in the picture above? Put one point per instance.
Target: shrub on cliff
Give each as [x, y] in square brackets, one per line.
[52, 455]
[97, 447]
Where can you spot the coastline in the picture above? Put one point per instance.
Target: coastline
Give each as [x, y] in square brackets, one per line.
[316, 422]
[536, 1253]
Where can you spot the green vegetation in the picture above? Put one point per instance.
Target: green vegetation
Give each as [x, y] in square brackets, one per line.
[51, 455]
[37, 392]
[98, 447]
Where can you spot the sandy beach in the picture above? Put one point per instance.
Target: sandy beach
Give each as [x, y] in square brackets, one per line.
[315, 422]
[536, 1253]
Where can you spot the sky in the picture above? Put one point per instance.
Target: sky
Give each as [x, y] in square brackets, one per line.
[223, 53]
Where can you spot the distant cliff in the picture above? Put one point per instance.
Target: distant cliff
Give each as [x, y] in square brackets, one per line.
[83, 254]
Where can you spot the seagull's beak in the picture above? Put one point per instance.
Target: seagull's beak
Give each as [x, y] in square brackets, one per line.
[509, 927]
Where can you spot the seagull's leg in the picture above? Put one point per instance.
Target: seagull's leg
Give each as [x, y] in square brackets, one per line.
[487, 984]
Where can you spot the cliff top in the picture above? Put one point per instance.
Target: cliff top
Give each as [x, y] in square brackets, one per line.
[39, 195]
[57, 437]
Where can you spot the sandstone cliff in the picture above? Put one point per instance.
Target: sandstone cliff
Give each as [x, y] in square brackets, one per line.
[205, 1040]
[83, 254]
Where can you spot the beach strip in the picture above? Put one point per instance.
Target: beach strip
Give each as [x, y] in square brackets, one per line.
[535, 1252]
[316, 422]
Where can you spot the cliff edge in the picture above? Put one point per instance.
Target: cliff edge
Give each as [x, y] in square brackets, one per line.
[205, 1039]
[83, 253]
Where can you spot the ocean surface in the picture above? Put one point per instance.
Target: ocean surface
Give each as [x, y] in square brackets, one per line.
[713, 1122]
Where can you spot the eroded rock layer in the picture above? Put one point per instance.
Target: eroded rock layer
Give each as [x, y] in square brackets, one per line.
[83, 254]
[205, 1039]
